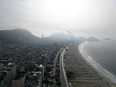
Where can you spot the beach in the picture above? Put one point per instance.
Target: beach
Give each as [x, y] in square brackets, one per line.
[85, 75]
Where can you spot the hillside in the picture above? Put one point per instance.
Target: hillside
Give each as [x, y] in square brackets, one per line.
[17, 35]
[81, 38]
[92, 39]
[62, 37]
[107, 39]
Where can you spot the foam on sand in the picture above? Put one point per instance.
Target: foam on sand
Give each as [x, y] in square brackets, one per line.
[96, 65]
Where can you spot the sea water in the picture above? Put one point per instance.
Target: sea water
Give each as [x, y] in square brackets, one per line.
[102, 56]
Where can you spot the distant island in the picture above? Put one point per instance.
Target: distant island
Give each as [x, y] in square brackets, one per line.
[107, 39]
[92, 39]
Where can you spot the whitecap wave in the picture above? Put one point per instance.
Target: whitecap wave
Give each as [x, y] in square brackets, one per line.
[100, 69]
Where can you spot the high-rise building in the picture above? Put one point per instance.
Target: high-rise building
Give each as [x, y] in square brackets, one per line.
[42, 36]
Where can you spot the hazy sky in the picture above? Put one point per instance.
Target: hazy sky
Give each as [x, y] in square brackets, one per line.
[81, 17]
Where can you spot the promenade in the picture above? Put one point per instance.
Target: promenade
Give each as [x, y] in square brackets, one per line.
[63, 77]
[84, 74]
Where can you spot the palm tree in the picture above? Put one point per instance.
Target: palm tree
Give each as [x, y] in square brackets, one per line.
[46, 81]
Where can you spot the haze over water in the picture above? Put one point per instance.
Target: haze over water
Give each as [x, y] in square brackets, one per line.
[104, 54]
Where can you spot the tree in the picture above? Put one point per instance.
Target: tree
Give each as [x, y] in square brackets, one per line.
[50, 63]
[46, 81]
[57, 71]
[52, 77]
[69, 74]
[48, 69]
[47, 74]
[58, 83]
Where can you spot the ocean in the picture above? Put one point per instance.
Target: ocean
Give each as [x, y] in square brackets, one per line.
[102, 56]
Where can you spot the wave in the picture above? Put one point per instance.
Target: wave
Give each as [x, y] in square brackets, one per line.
[100, 69]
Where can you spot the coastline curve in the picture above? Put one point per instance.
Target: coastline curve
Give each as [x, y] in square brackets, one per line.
[100, 69]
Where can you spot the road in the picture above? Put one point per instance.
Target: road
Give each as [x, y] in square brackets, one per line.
[63, 77]
[54, 68]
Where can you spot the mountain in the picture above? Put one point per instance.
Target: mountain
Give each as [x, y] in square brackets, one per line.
[81, 38]
[107, 39]
[92, 39]
[17, 35]
[62, 36]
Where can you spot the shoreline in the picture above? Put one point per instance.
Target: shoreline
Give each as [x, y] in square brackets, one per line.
[109, 76]
[85, 74]
[96, 66]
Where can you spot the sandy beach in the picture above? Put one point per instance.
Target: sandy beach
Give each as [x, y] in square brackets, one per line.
[85, 75]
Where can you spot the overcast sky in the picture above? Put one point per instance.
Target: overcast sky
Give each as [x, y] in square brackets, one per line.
[81, 17]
